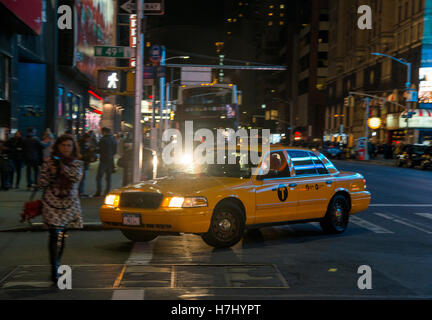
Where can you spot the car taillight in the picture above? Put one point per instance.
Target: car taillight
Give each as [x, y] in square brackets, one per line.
[364, 183]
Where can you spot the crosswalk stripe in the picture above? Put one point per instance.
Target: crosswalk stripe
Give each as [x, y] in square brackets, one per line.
[424, 215]
[128, 295]
[368, 225]
[401, 221]
[141, 254]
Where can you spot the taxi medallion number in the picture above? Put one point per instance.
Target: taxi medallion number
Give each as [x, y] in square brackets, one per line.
[131, 219]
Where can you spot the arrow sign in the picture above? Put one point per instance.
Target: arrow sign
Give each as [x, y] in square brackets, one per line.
[155, 7]
[129, 6]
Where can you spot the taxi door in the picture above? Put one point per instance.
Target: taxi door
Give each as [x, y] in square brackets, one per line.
[275, 199]
[313, 184]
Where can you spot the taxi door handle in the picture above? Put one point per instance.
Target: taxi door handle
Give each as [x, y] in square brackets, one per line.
[293, 185]
[329, 182]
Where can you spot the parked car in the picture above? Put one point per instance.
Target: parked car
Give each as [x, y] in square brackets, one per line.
[426, 161]
[333, 150]
[410, 155]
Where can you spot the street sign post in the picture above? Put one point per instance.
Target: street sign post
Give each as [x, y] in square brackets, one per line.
[114, 52]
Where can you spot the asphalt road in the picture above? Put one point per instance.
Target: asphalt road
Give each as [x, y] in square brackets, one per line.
[393, 237]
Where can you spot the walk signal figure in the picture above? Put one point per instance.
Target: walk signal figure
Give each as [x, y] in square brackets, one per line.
[112, 81]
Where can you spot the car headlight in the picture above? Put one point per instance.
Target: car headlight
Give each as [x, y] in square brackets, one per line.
[185, 202]
[112, 200]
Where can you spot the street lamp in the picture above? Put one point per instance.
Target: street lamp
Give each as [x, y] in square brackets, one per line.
[408, 83]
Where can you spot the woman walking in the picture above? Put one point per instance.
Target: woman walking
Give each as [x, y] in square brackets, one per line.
[61, 207]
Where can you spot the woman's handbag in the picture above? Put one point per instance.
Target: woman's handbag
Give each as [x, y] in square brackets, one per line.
[32, 209]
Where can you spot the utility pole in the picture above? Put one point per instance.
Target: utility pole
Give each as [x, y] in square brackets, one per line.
[161, 98]
[137, 136]
[367, 128]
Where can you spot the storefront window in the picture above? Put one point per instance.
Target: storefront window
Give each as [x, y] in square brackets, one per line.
[4, 77]
[60, 102]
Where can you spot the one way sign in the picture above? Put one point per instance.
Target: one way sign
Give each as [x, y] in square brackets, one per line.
[153, 7]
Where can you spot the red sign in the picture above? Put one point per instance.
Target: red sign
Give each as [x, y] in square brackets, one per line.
[29, 12]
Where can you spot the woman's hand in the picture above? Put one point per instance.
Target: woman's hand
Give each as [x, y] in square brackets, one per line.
[52, 166]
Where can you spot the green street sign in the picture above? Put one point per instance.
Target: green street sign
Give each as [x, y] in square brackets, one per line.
[114, 52]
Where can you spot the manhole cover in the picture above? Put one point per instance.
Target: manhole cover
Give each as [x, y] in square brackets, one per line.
[203, 276]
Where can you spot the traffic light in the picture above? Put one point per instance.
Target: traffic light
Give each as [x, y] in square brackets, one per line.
[349, 101]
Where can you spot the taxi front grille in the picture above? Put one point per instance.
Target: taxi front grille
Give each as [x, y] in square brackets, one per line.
[141, 200]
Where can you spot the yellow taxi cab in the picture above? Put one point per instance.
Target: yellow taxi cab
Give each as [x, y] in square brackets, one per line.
[220, 201]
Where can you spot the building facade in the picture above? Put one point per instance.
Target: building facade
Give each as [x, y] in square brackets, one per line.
[398, 30]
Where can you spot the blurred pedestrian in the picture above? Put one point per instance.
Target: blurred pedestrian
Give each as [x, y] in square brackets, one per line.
[16, 155]
[47, 142]
[61, 206]
[32, 150]
[6, 167]
[88, 156]
[125, 162]
[107, 148]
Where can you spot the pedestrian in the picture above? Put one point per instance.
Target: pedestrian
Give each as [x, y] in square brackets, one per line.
[107, 148]
[88, 156]
[32, 150]
[61, 208]
[16, 155]
[125, 162]
[47, 142]
[6, 167]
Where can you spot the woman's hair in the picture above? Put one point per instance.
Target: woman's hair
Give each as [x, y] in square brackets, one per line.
[60, 140]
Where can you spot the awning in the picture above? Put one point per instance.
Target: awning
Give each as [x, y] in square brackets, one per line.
[421, 119]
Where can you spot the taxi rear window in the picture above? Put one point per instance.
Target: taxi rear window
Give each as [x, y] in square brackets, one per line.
[306, 163]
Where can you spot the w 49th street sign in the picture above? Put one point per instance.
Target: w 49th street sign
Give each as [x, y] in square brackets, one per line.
[114, 52]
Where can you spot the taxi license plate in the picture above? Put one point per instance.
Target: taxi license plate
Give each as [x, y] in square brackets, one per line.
[131, 219]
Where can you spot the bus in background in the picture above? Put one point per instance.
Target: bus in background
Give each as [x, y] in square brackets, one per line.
[211, 106]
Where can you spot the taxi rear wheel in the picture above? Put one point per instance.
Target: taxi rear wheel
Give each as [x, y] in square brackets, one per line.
[337, 216]
[226, 227]
[139, 236]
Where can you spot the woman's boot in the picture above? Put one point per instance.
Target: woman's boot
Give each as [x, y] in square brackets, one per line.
[56, 244]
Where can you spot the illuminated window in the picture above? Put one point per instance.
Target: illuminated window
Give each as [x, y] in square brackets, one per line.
[270, 23]
[281, 15]
[282, 6]
[281, 23]
[240, 3]
[229, 33]
[240, 15]
[229, 20]
[234, 20]
[270, 14]
[271, 6]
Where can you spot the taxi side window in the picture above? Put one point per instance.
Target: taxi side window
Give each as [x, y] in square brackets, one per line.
[278, 166]
[319, 166]
[303, 164]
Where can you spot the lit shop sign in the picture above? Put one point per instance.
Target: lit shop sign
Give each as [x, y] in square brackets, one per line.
[422, 119]
[425, 86]
[132, 37]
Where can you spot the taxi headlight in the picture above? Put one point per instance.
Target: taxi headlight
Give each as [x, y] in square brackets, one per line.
[185, 202]
[112, 200]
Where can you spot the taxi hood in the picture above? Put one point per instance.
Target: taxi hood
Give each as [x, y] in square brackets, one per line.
[184, 186]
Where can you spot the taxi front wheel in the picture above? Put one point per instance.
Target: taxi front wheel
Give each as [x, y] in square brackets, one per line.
[337, 216]
[226, 227]
[139, 236]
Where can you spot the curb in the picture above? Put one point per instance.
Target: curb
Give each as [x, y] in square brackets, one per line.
[39, 227]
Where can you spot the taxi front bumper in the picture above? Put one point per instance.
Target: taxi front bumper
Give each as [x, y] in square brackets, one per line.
[163, 220]
[360, 201]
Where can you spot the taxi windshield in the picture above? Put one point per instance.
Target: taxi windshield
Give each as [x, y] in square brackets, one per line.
[239, 165]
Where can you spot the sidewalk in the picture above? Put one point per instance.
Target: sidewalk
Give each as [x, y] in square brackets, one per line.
[12, 202]
[381, 162]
